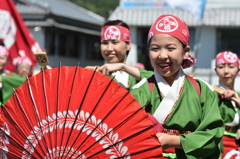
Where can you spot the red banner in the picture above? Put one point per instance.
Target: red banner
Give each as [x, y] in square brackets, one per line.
[15, 35]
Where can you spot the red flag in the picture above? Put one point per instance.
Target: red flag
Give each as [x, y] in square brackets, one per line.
[15, 35]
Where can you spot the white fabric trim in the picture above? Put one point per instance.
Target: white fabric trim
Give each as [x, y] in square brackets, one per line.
[231, 153]
[139, 84]
[122, 78]
[171, 97]
[165, 88]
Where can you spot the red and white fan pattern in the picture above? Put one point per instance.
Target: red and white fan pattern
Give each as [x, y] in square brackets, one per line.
[72, 112]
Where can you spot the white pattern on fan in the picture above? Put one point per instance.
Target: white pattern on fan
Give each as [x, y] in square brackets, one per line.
[4, 140]
[59, 151]
[118, 150]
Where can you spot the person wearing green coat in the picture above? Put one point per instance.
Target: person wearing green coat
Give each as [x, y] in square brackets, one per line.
[115, 47]
[227, 68]
[186, 107]
[24, 66]
[8, 80]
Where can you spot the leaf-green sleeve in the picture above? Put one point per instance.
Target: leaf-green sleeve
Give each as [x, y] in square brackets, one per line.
[8, 83]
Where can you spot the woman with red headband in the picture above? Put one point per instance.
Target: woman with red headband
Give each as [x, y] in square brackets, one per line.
[227, 68]
[186, 108]
[24, 66]
[8, 80]
[115, 47]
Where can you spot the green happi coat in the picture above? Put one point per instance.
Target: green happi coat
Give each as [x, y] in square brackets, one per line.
[227, 110]
[132, 81]
[9, 81]
[200, 115]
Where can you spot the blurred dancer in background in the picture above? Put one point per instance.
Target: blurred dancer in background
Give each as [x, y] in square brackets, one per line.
[8, 80]
[227, 68]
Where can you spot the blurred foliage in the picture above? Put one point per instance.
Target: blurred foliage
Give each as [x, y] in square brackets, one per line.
[101, 7]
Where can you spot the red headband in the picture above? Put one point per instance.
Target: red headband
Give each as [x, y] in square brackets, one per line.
[227, 57]
[3, 51]
[115, 32]
[169, 24]
[24, 59]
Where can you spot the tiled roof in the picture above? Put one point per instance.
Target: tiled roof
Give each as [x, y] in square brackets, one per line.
[61, 8]
[30, 9]
[146, 17]
[222, 17]
[52, 23]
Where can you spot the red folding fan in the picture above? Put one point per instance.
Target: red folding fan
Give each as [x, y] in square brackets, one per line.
[72, 112]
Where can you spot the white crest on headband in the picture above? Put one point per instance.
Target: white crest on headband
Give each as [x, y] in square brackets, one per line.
[184, 32]
[220, 61]
[112, 33]
[125, 36]
[230, 57]
[150, 34]
[167, 24]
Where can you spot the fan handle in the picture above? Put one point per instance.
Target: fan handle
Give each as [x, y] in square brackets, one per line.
[94, 68]
[220, 91]
[42, 59]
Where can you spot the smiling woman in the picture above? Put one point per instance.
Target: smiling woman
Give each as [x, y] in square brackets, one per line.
[182, 105]
[115, 41]
[165, 52]
[115, 47]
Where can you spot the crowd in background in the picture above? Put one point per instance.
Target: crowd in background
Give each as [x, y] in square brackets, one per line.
[195, 120]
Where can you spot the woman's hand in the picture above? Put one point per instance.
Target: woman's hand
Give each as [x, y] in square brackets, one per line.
[108, 69]
[228, 94]
[46, 67]
[168, 141]
[231, 95]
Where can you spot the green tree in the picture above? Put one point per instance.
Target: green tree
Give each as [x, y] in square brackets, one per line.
[101, 7]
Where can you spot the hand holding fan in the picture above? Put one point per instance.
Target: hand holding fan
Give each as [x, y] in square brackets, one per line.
[220, 91]
[72, 112]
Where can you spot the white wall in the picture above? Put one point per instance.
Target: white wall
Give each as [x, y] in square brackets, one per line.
[132, 57]
[222, 4]
[207, 50]
[38, 34]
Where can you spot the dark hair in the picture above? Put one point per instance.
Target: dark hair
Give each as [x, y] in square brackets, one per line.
[116, 22]
[1, 43]
[119, 23]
